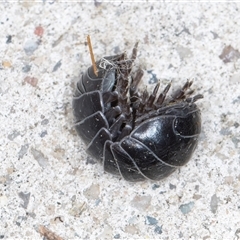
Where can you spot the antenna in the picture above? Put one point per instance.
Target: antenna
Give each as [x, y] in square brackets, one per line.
[92, 55]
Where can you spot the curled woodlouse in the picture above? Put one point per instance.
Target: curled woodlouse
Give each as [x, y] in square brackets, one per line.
[134, 134]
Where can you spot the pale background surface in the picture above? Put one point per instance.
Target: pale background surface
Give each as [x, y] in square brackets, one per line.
[47, 179]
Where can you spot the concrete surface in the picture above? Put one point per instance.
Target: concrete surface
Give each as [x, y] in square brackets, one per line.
[47, 179]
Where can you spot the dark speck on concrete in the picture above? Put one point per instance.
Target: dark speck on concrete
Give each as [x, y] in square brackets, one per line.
[151, 220]
[23, 150]
[41, 159]
[9, 39]
[90, 161]
[153, 77]
[225, 131]
[214, 203]
[171, 186]
[180, 235]
[20, 219]
[43, 134]
[96, 3]
[97, 202]
[117, 236]
[158, 229]
[185, 30]
[116, 50]
[215, 35]
[162, 192]
[237, 100]
[25, 197]
[155, 186]
[13, 135]
[235, 140]
[44, 122]
[236, 124]
[31, 214]
[26, 68]
[18, 224]
[229, 54]
[57, 66]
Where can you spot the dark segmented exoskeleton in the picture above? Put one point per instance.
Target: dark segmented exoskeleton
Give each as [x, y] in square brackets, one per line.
[134, 134]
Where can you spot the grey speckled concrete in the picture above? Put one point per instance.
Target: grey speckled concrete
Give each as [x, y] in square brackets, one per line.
[47, 179]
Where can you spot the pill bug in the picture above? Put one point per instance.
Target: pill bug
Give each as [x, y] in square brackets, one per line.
[134, 134]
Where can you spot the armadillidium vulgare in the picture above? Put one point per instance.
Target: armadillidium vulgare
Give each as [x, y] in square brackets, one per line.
[135, 135]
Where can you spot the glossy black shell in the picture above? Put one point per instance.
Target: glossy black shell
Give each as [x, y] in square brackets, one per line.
[135, 135]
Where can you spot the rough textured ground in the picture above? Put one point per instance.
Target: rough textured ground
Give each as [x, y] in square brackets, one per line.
[47, 179]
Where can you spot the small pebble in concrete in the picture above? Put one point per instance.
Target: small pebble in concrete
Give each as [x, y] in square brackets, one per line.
[25, 197]
[151, 220]
[41, 159]
[214, 203]
[23, 150]
[57, 66]
[158, 229]
[186, 208]
[30, 47]
[141, 202]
